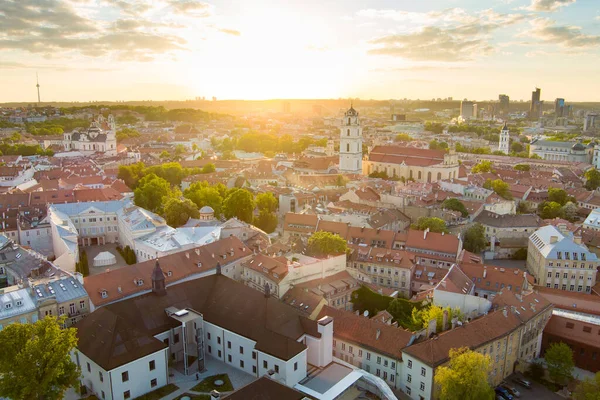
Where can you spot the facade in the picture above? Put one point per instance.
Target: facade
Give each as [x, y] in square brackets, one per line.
[100, 137]
[421, 165]
[535, 109]
[560, 260]
[467, 110]
[507, 233]
[574, 152]
[351, 143]
[504, 143]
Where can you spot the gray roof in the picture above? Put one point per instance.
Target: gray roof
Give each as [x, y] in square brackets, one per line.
[542, 239]
[22, 263]
[74, 209]
[100, 138]
[20, 302]
[489, 218]
[63, 289]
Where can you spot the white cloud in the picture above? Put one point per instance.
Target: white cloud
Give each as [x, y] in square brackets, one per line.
[548, 5]
[566, 36]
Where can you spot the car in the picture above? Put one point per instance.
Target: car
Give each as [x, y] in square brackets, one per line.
[504, 393]
[523, 382]
[512, 390]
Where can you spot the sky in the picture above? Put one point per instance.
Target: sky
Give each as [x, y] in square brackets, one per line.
[94, 50]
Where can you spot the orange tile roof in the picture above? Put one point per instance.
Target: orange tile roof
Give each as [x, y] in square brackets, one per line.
[496, 278]
[443, 243]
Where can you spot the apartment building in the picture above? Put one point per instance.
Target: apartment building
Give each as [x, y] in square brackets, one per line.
[432, 248]
[506, 233]
[558, 259]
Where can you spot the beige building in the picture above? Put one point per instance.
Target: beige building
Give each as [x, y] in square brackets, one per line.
[421, 165]
[558, 259]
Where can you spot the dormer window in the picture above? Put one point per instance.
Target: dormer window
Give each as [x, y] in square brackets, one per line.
[104, 294]
[140, 282]
[8, 306]
[19, 303]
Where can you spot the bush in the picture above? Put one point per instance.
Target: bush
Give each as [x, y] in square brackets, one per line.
[128, 255]
[82, 266]
[520, 254]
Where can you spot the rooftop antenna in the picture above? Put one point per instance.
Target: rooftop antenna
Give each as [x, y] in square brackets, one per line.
[37, 86]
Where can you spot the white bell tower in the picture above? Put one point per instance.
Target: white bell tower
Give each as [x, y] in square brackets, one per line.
[504, 144]
[351, 143]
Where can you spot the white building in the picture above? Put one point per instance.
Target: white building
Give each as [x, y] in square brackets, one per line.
[351, 143]
[100, 137]
[504, 144]
[593, 220]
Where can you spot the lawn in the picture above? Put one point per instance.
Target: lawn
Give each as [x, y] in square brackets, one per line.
[195, 396]
[208, 384]
[159, 393]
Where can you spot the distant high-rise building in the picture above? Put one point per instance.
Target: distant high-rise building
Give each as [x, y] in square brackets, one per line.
[504, 104]
[286, 107]
[590, 121]
[37, 86]
[466, 109]
[475, 111]
[504, 143]
[535, 109]
[559, 108]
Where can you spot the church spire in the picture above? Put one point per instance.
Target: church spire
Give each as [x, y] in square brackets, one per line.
[158, 280]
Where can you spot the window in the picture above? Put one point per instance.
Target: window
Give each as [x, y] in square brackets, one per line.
[409, 363]
[587, 329]
[229, 357]
[423, 372]
[228, 344]
[176, 338]
[384, 375]
[208, 335]
[378, 373]
[82, 304]
[296, 366]
[378, 360]
[265, 364]
[385, 363]
[89, 368]
[343, 346]
[392, 377]
[241, 350]
[359, 352]
[408, 390]
[254, 355]
[153, 383]
[254, 369]
[103, 396]
[241, 363]
[219, 339]
[127, 394]
[368, 356]
[409, 378]
[393, 365]
[101, 377]
[209, 349]
[422, 386]
[276, 368]
[219, 353]
[125, 376]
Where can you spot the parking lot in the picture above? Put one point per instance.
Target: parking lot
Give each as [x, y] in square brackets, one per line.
[537, 391]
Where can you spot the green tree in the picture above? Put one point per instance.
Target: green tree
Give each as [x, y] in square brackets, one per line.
[204, 195]
[35, 361]
[131, 174]
[239, 203]
[559, 359]
[433, 223]
[172, 172]
[569, 211]
[127, 119]
[558, 195]
[267, 202]
[522, 167]
[326, 243]
[165, 155]
[499, 187]
[436, 145]
[549, 210]
[266, 220]
[520, 254]
[484, 166]
[588, 389]
[177, 211]
[228, 155]
[466, 377]
[475, 240]
[536, 370]
[208, 168]
[592, 179]
[516, 147]
[127, 133]
[455, 205]
[151, 192]
[403, 137]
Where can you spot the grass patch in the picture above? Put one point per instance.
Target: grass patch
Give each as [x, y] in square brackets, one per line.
[208, 384]
[159, 393]
[195, 396]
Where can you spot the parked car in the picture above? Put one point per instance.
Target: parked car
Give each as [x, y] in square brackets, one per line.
[504, 393]
[512, 390]
[523, 382]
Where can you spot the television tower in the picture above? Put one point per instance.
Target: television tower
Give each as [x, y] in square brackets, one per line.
[38, 87]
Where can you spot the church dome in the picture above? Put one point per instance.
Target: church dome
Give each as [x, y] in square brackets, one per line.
[207, 210]
[578, 147]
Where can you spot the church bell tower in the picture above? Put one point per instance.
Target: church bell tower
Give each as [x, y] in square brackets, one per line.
[351, 143]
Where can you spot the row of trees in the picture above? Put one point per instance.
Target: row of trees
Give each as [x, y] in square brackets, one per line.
[151, 113]
[128, 254]
[82, 266]
[126, 133]
[56, 126]
[172, 172]
[266, 143]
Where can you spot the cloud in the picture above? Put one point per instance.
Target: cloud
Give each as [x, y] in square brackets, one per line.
[232, 32]
[451, 35]
[569, 37]
[52, 26]
[548, 5]
[191, 8]
[54, 67]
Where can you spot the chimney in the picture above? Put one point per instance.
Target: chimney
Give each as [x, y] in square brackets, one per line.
[553, 239]
[378, 334]
[187, 255]
[445, 321]
[431, 327]
[484, 272]
[454, 322]
[577, 239]
[267, 290]
[505, 312]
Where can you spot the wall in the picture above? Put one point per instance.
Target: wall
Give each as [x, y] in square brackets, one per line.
[414, 386]
[468, 304]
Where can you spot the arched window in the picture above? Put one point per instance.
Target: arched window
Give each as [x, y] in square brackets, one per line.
[410, 174]
[419, 175]
[439, 178]
[348, 132]
[348, 120]
[429, 176]
[348, 147]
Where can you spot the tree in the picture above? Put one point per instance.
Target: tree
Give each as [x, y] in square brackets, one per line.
[499, 187]
[559, 359]
[475, 240]
[516, 147]
[422, 317]
[239, 203]
[266, 220]
[520, 254]
[267, 201]
[228, 155]
[522, 167]
[588, 389]
[151, 193]
[403, 137]
[434, 224]
[435, 145]
[466, 378]
[35, 361]
[536, 370]
[204, 195]
[326, 243]
[131, 174]
[165, 155]
[569, 211]
[558, 195]
[483, 167]
[592, 179]
[208, 168]
[549, 210]
[177, 211]
[455, 205]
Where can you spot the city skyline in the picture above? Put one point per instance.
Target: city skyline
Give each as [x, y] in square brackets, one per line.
[179, 49]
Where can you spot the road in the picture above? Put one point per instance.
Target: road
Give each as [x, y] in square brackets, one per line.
[537, 391]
